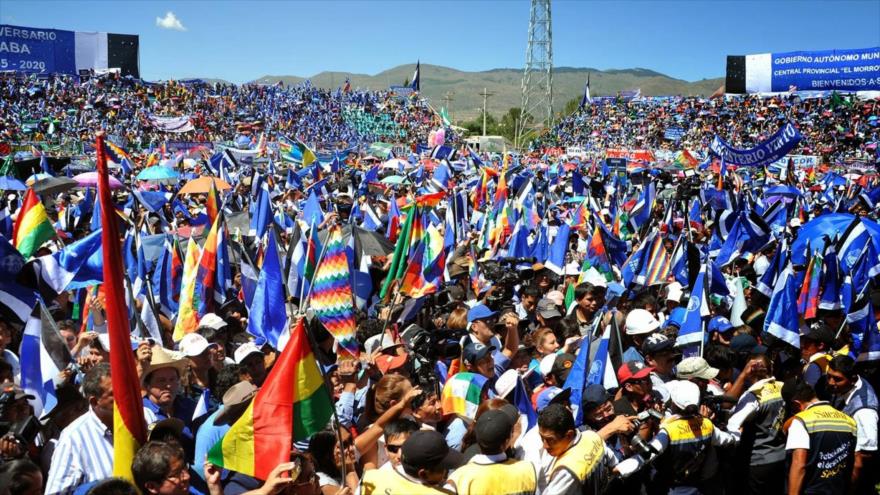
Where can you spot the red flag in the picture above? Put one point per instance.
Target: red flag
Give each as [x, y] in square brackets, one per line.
[129, 428]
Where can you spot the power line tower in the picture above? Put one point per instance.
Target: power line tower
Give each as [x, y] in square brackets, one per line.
[537, 81]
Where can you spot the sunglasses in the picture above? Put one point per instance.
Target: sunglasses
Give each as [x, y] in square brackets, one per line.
[393, 448]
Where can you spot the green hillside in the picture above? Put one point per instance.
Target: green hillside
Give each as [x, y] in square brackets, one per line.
[465, 87]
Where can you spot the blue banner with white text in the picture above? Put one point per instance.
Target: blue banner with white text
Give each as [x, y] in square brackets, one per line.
[37, 50]
[765, 153]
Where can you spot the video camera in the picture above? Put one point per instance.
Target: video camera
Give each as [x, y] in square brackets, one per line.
[25, 430]
[426, 348]
[504, 277]
[636, 443]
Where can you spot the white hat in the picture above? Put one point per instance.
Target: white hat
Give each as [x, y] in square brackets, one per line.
[211, 320]
[246, 350]
[546, 365]
[596, 279]
[674, 292]
[683, 393]
[377, 342]
[640, 321]
[506, 383]
[193, 344]
[572, 269]
[794, 222]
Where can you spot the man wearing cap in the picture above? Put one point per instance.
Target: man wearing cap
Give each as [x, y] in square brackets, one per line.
[201, 356]
[579, 460]
[15, 408]
[425, 462]
[660, 355]
[681, 449]
[491, 471]
[855, 396]
[480, 319]
[816, 351]
[636, 389]
[161, 381]
[639, 324]
[250, 358]
[215, 330]
[478, 358]
[548, 313]
[821, 440]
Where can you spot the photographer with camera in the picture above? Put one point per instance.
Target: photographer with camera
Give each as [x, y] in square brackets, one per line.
[480, 327]
[683, 449]
[18, 427]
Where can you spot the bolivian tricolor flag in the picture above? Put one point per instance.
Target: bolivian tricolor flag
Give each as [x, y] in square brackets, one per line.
[293, 404]
[129, 428]
[33, 227]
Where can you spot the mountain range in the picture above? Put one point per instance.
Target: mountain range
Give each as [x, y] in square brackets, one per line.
[464, 87]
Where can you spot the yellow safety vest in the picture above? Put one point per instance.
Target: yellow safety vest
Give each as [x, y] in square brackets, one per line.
[390, 482]
[832, 448]
[510, 477]
[582, 458]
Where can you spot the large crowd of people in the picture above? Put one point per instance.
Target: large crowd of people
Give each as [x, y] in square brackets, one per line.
[520, 323]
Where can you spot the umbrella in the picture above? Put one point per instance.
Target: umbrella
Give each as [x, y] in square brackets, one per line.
[816, 230]
[54, 185]
[11, 184]
[787, 191]
[203, 185]
[90, 179]
[396, 163]
[36, 177]
[394, 180]
[366, 243]
[158, 172]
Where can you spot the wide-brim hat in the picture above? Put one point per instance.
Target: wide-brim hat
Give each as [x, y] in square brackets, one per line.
[163, 359]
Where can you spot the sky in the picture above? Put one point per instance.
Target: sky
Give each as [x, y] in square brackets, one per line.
[241, 41]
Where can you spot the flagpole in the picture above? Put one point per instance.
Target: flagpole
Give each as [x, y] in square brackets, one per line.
[302, 286]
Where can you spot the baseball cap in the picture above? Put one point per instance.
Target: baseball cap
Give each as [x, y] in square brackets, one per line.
[546, 364]
[16, 391]
[594, 396]
[720, 324]
[640, 322]
[479, 312]
[506, 383]
[743, 343]
[211, 320]
[552, 395]
[632, 370]
[193, 344]
[547, 309]
[695, 367]
[245, 350]
[683, 393]
[562, 366]
[557, 297]
[493, 429]
[657, 343]
[674, 292]
[388, 362]
[475, 351]
[104, 340]
[427, 449]
[819, 333]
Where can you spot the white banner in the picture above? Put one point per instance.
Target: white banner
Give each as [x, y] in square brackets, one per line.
[172, 124]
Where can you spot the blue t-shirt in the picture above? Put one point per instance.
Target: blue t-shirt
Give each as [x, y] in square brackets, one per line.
[207, 436]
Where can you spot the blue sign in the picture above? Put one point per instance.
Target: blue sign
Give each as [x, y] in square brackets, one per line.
[37, 50]
[771, 150]
[673, 133]
[841, 70]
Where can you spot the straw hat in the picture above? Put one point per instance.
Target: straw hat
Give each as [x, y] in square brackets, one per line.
[162, 359]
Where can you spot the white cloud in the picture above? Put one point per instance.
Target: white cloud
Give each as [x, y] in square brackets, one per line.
[170, 21]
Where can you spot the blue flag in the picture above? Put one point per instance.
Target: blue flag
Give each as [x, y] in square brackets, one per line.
[577, 379]
[44, 354]
[312, 212]
[77, 265]
[261, 214]
[522, 402]
[782, 315]
[558, 250]
[691, 331]
[267, 314]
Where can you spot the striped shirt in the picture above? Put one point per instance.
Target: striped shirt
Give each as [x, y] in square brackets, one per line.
[84, 453]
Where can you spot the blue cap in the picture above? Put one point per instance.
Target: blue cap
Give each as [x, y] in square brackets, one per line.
[720, 324]
[479, 312]
[676, 317]
[552, 395]
[475, 351]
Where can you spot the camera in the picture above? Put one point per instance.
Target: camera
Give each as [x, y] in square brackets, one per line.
[25, 430]
[504, 277]
[426, 348]
[638, 445]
